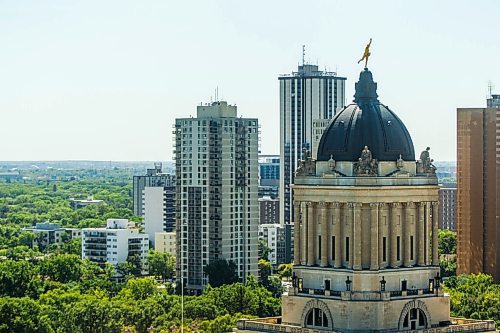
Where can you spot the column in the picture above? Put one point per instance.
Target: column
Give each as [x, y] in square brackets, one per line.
[428, 233]
[348, 232]
[324, 234]
[303, 236]
[374, 236]
[406, 235]
[393, 234]
[382, 213]
[421, 234]
[356, 222]
[435, 254]
[310, 234]
[338, 234]
[296, 233]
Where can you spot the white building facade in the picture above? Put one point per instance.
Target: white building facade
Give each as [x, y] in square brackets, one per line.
[305, 96]
[115, 243]
[166, 242]
[216, 198]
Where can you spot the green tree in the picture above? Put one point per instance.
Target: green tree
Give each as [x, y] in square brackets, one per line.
[265, 270]
[62, 268]
[285, 271]
[474, 296]
[161, 264]
[447, 242]
[264, 250]
[21, 315]
[221, 272]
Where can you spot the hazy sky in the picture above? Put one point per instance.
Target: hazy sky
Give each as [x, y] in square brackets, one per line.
[104, 80]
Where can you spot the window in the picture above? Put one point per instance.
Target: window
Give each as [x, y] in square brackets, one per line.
[319, 247]
[384, 248]
[398, 248]
[333, 247]
[411, 247]
[347, 249]
[316, 318]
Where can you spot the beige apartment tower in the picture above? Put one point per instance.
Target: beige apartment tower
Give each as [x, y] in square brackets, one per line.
[366, 232]
[478, 198]
[217, 208]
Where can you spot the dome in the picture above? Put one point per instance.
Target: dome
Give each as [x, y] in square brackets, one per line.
[366, 122]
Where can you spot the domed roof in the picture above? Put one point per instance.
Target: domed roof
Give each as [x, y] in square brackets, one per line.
[366, 122]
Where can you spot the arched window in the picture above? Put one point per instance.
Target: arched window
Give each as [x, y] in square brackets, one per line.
[316, 318]
[415, 319]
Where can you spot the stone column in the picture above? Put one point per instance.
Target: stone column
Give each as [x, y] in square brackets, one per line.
[406, 234]
[421, 234]
[395, 212]
[310, 234]
[324, 234]
[338, 234]
[348, 232]
[356, 222]
[381, 212]
[374, 236]
[428, 233]
[435, 254]
[296, 233]
[303, 236]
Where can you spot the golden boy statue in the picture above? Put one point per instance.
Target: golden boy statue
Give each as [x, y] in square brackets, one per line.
[366, 54]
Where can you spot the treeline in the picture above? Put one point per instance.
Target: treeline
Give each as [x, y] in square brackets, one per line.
[474, 296]
[22, 204]
[63, 293]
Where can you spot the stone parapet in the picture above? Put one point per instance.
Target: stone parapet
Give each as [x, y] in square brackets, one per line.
[274, 324]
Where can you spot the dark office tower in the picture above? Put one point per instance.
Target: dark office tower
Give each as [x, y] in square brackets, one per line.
[306, 97]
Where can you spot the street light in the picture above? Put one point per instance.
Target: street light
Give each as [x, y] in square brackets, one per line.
[348, 284]
[382, 284]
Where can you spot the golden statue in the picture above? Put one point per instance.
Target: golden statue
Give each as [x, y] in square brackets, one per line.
[366, 54]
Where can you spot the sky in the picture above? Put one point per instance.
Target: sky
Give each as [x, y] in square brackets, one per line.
[105, 80]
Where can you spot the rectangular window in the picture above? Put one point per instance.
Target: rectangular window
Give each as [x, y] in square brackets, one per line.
[333, 247]
[319, 247]
[347, 249]
[384, 248]
[398, 248]
[411, 247]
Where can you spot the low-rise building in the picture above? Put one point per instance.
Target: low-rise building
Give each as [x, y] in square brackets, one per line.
[166, 242]
[115, 243]
[47, 233]
[77, 204]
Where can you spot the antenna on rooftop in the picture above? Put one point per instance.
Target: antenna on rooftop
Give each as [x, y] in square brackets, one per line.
[490, 88]
[303, 55]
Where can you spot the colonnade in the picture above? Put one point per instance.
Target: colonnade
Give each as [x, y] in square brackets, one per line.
[400, 234]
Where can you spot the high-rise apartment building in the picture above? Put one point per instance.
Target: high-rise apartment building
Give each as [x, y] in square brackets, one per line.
[478, 184]
[216, 159]
[447, 207]
[305, 96]
[269, 210]
[154, 200]
[158, 205]
[276, 237]
[153, 178]
[493, 101]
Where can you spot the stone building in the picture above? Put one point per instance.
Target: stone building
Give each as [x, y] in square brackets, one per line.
[366, 232]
